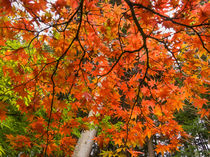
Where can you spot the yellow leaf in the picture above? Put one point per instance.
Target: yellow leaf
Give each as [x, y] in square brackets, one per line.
[157, 111]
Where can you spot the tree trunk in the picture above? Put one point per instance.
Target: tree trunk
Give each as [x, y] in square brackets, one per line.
[85, 142]
[150, 148]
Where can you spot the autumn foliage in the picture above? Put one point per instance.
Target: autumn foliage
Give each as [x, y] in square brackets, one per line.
[133, 63]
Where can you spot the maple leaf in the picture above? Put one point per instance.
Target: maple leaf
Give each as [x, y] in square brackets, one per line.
[130, 94]
[38, 125]
[161, 148]
[87, 96]
[6, 5]
[204, 12]
[3, 110]
[135, 153]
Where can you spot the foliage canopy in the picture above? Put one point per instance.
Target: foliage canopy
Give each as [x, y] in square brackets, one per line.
[134, 63]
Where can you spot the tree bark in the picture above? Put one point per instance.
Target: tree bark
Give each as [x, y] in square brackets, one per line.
[150, 148]
[85, 142]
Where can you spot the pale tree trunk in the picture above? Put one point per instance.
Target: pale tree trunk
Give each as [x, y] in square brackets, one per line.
[85, 142]
[151, 151]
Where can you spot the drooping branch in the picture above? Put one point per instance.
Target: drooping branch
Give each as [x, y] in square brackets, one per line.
[55, 70]
[144, 36]
[166, 18]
